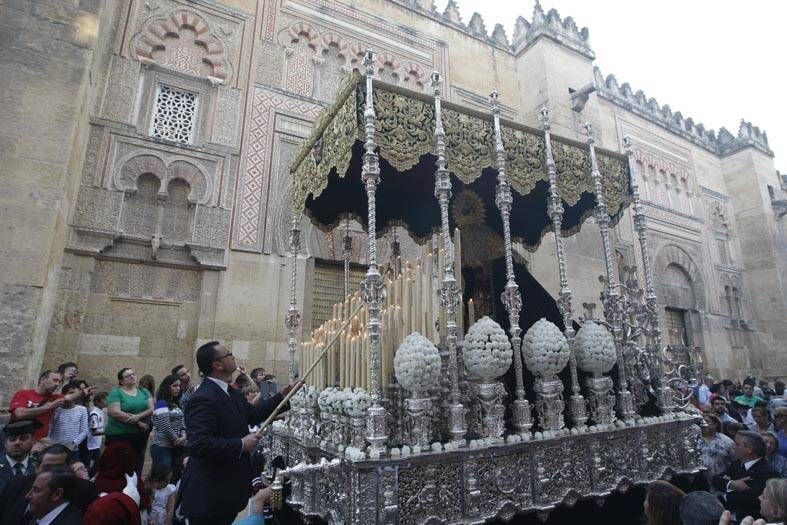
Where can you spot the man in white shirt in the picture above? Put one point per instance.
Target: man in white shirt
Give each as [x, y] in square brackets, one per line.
[18, 442]
[48, 498]
[703, 396]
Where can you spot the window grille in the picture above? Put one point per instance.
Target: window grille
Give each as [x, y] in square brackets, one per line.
[174, 115]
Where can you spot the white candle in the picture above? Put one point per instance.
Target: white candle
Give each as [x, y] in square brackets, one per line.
[470, 313]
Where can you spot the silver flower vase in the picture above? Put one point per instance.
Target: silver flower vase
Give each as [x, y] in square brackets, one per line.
[549, 403]
[602, 400]
[419, 420]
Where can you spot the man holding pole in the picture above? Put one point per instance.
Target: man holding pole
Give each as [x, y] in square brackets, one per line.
[216, 484]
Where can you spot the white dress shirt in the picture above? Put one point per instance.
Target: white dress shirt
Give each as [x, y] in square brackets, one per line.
[52, 514]
[12, 463]
[222, 384]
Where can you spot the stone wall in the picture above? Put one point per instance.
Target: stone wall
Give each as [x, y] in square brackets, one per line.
[48, 66]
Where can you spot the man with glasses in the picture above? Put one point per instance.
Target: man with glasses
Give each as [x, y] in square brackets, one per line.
[18, 443]
[216, 484]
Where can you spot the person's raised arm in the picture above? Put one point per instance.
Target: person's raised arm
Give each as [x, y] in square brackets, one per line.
[34, 412]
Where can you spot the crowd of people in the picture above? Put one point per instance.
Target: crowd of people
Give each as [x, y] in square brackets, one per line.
[744, 451]
[73, 454]
[142, 455]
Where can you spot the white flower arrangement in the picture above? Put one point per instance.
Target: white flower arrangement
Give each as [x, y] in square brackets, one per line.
[331, 400]
[545, 349]
[487, 351]
[354, 454]
[595, 349]
[417, 364]
[356, 401]
[306, 397]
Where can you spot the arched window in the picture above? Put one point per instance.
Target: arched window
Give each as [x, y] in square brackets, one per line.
[140, 213]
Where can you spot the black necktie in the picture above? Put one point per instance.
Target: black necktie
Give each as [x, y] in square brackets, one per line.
[18, 471]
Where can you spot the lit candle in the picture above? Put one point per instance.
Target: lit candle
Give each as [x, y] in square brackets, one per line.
[470, 313]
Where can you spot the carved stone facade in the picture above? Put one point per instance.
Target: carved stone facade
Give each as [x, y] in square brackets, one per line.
[173, 237]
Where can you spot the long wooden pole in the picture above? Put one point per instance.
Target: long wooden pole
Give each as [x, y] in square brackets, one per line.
[302, 380]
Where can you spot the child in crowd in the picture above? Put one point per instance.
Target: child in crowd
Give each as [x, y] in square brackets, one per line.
[69, 422]
[163, 506]
[96, 426]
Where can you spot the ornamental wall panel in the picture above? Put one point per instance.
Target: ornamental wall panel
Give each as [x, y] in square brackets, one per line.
[251, 202]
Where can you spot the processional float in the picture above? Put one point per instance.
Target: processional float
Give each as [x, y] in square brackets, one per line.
[404, 418]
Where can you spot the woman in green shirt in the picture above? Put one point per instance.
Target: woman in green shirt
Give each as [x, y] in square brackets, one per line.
[128, 406]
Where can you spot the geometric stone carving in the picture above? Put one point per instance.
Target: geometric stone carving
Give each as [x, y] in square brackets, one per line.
[141, 210]
[174, 115]
[300, 69]
[255, 177]
[97, 208]
[132, 280]
[183, 42]
[211, 226]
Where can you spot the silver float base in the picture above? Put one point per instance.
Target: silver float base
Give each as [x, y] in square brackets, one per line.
[472, 485]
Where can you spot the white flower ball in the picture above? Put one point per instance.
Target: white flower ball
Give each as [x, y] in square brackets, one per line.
[595, 348]
[545, 349]
[306, 397]
[417, 363]
[357, 403]
[487, 351]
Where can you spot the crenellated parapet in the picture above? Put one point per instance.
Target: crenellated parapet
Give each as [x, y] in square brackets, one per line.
[551, 25]
[748, 135]
[724, 143]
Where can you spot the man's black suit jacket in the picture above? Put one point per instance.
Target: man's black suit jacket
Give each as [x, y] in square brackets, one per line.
[13, 503]
[745, 503]
[7, 473]
[69, 516]
[217, 479]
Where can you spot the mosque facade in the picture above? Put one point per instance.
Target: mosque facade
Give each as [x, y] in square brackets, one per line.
[146, 155]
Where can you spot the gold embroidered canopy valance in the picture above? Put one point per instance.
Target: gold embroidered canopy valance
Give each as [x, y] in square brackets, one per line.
[405, 135]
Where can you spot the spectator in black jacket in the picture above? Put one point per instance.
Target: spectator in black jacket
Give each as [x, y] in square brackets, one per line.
[745, 480]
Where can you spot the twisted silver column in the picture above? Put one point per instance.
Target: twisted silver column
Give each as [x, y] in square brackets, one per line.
[373, 288]
[511, 296]
[347, 250]
[611, 297]
[293, 318]
[450, 296]
[653, 332]
[577, 406]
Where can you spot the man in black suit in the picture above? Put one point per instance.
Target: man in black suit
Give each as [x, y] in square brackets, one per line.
[18, 442]
[744, 481]
[216, 484]
[14, 508]
[49, 498]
